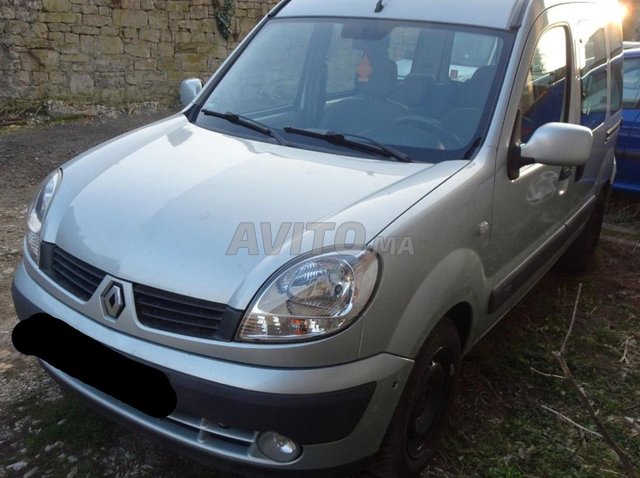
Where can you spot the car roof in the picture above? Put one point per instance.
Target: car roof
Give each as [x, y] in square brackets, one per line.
[499, 14]
[488, 13]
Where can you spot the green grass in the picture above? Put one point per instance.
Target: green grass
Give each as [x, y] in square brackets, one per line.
[20, 108]
[66, 424]
[68, 421]
[624, 212]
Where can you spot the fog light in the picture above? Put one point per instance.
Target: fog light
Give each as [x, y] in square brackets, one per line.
[278, 448]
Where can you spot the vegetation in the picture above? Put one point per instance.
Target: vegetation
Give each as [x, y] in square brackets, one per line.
[224, 17]
[18, 109]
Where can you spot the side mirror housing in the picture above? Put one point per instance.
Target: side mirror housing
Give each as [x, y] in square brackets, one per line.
[559, 144]
[189, 89]
[553, 144]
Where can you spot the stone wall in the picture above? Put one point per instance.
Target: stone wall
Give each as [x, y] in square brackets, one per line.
[114, 51]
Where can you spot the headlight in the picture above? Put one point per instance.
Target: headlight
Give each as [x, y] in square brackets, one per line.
[38, 211]
[312, 298]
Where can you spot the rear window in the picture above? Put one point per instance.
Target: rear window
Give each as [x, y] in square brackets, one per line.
[470, 52]
[631, 88]
[593, 73]
[615, 52]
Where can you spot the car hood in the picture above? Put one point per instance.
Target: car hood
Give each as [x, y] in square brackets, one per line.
[160, 206]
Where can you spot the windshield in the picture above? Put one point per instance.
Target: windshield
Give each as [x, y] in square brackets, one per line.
[424, 90]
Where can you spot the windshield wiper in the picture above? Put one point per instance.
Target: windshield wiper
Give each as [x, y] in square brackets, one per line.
[354, 141]
[247, 123]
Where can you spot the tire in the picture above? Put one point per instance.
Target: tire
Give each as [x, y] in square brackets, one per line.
[419, 421]
[581, 254]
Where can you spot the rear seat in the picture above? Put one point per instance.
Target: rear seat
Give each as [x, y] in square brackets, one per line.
[456, 104]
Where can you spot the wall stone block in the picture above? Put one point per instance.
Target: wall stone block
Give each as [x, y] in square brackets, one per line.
[87, 43]
[137, 48]
[81, 83]
[57, 77]
[114, 63]
[130, 18]
[89, 9]
[58, 17]
[109, 45]
[58, 27]
[94, 20]
[166, 49]
[150, 35]
[146, 64]
[56, 5]
[158, 19]
[82, 30]
[39, 78]
[46, 57]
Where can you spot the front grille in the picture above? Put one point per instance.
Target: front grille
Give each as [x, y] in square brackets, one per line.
[155, 308]
[184, 315]
[69, 272]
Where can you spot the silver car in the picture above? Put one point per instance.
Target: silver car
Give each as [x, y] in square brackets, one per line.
[285, 275]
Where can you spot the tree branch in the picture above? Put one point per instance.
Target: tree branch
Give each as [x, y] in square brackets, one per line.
[545, 374]
[584, 399]
[563, 349]
[568, 420]
[624, 358]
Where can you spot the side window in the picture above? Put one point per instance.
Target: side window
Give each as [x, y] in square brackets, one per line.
[593, 73]
[470, 52]
[615, 49]
[342, 64]
[432, 45]
[403, 49]
[631, 88]
[545, 91]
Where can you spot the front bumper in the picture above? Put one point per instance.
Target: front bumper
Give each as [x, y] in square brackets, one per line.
[339, 414]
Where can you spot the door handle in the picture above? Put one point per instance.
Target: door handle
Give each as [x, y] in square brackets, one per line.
[613, 130]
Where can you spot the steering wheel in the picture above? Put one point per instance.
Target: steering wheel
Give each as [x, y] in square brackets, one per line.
[432, 126]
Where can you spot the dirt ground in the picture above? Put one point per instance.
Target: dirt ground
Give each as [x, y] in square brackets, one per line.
[502, 425]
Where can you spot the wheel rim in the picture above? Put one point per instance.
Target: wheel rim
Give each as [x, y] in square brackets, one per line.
[430, 402]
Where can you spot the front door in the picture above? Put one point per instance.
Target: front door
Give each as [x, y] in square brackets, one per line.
[530, 211]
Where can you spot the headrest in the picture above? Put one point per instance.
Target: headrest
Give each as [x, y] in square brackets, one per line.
[483, 76]
[412, 90]
[376, 76]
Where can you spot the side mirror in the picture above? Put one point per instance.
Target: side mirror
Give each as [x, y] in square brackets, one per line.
[559, 144]
[189, 89]
[553, 144]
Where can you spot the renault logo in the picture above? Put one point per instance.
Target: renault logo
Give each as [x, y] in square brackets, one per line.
[113, 300]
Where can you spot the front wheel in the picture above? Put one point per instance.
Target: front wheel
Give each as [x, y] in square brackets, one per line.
[419, 421]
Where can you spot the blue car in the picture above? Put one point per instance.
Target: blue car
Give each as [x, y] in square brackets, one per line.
[628, 148]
